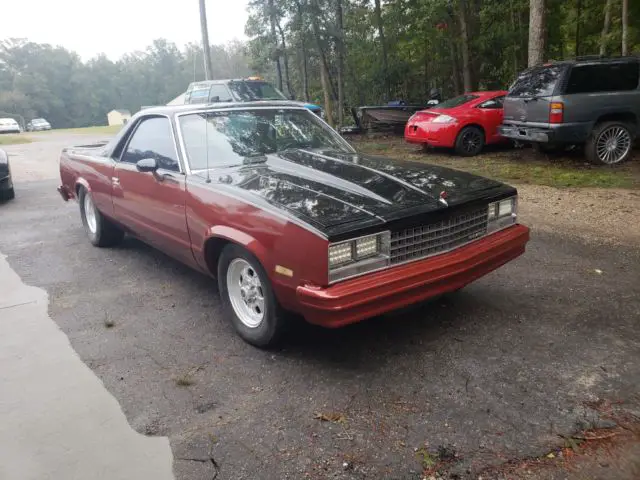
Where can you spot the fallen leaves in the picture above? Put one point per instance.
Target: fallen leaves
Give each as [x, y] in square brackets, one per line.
[333, 417]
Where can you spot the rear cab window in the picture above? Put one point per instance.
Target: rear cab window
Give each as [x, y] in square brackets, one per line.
[537, 82]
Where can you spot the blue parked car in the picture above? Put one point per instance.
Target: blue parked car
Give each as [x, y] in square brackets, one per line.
[240, 90]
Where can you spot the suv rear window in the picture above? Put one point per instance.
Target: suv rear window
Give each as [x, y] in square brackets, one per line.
[537, 82]
[604, 77]
[254, 90]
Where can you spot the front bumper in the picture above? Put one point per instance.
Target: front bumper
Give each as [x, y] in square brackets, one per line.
[558, 134]
[377, 293]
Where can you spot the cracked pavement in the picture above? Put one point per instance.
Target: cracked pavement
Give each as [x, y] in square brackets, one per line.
[495, 372]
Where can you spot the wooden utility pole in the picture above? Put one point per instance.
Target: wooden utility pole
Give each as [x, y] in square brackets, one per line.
[578, 18]
[205, 41]
[537, 31]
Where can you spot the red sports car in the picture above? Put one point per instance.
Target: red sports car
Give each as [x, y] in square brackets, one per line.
[466, 123]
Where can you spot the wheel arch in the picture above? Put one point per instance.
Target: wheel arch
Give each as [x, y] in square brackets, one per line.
[476, 125]
[220, 236]
[81, 182]
[626, 117]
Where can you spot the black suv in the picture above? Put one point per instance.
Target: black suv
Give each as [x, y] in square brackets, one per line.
[593, 102]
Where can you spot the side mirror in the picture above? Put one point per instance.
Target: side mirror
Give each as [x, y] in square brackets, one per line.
[147, 165]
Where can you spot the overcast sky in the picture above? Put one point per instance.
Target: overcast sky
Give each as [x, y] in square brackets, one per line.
[116, 27]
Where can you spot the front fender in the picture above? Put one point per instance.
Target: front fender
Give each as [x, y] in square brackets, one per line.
[243, 239]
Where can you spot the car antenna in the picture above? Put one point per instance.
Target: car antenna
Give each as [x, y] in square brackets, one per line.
[206, 146]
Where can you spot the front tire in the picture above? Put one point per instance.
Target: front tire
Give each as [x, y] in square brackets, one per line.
[248, 299]
[609, 144]
[7, 195]
[469, 142]
[101, 231]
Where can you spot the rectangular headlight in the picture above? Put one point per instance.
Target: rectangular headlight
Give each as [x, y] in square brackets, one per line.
[359, 256]
[340, 253]
[502, 214]
[366, 246]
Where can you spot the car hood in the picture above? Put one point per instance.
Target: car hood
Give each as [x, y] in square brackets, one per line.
[339, 193]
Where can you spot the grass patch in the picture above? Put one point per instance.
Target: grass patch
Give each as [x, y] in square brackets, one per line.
[185, 380]
[14, 139]
[516, 166]
[107, 129]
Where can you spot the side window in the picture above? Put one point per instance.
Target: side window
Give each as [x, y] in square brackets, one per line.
[493, 104]
[219, 93]
[611, 77]
[198, 94]
[152, 139]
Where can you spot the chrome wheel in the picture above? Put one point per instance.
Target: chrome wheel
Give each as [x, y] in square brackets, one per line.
[613, 144]
[90, 214]
[245, 292]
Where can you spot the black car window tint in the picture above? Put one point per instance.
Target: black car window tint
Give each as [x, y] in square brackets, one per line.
[605, 77]
[153, 139]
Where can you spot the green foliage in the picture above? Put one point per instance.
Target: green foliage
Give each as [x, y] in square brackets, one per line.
[423, 39]
[38, 80]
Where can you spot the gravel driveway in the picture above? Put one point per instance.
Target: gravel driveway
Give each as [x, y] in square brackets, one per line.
[495, 372]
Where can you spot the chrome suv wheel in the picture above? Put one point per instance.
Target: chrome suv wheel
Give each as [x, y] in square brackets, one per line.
[610, 143]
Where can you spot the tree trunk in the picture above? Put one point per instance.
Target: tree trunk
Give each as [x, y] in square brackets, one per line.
[340, 45]
[605, 28]
[625, 27]
[324, 80]
[303, 48]
[578, 18]
[274, 40]
[537, 31]
[290, 89]
[467, 69]
[454, 66]
[385, 56]
[515, 46]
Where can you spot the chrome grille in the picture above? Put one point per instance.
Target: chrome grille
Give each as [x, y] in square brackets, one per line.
[420, 242]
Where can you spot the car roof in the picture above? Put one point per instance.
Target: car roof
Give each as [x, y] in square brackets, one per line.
[198, 107]
[592, 59]
[227, 80]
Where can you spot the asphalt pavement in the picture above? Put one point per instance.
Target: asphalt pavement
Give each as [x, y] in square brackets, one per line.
[492, 373]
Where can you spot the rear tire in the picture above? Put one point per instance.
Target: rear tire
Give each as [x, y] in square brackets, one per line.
[469, 142]
[101, 231]
[248, 299]
[610, 143]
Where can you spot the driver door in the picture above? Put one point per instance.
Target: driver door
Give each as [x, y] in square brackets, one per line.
[153, 204]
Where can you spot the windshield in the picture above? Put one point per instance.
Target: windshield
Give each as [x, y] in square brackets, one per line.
[227, 138]
[7, 121]
[248, 91]
[536, 82]
[456, 102]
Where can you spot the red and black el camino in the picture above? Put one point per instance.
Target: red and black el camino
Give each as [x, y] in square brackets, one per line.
[278, 207]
